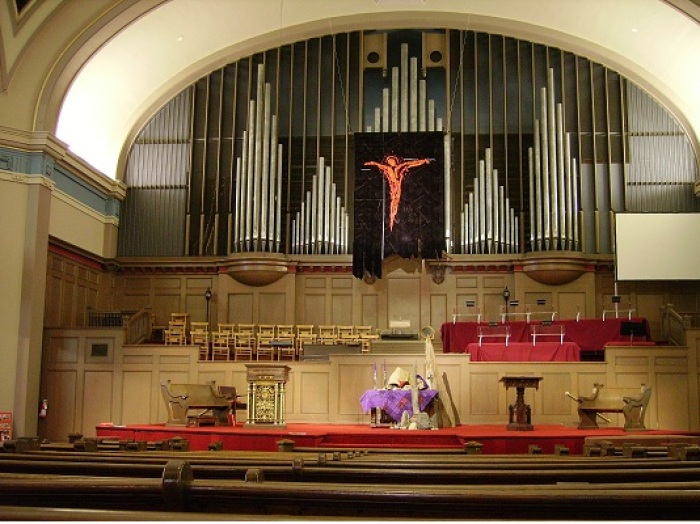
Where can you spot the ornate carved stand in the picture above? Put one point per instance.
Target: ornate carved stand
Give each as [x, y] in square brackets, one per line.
[519, 418]
[266, 395]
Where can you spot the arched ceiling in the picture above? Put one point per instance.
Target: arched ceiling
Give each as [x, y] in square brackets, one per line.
[164, 49]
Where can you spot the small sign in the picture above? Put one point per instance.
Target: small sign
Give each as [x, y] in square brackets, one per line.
[5, 426]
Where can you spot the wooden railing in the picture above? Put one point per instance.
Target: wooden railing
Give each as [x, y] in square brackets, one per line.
[674, 324]
[137, 324]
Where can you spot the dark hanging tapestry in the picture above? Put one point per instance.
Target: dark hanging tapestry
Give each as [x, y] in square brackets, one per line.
[399, 198]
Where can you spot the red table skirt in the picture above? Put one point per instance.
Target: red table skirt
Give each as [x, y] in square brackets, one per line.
[591, 334]
[525, 352]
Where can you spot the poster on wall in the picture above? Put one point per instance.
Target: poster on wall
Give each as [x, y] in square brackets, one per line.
[398, 198]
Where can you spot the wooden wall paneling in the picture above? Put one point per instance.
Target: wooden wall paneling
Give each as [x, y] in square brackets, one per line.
[568, 304]
[484, 392]
[240, 308]
[136, 294]
[314, 310]
[218, 375]
[62, 349]
[272, 308]
[492, 296]
[354, 378]
[403, 300]
[438, 312]
[79, 306]
[97, 400]
[195, 302]
[137, 398]
[650, 304]
[552, 394]
[370, 310]
[52, 307]
[65, 299]
[670, 389]
[342, 301]
[341, 309]
[457, 381]
[330, 391]
[314, 393]
[61, 392]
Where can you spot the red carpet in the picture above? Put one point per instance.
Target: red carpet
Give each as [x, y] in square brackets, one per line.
[495, 439]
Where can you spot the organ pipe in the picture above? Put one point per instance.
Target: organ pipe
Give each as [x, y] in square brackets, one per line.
[552, 174]
[488, 221]
[652, 152]
[324, 230]
[259, 176]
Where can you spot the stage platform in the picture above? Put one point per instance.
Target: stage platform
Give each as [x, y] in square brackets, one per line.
[495, 439]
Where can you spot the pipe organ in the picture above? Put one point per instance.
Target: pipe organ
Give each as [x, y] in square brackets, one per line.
[531, 165]
[488, 222]
[405, 105]
[322, 225]
[407, 108]
[552, 179]
[258, 194]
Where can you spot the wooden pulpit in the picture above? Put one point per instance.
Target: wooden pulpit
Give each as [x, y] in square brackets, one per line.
[266, 395]
[519, 414]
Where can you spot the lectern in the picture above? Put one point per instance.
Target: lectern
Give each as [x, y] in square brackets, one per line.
[266, 395]
[520, 418]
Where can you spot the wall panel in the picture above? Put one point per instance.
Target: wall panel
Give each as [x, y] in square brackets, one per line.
[137, 396]
[61, 391]
[97, 399]
[403, 300]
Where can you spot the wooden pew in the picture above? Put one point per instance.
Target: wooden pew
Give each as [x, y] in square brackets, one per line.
[333, 468]
[632, 403]
[178, 490]
[211, 404]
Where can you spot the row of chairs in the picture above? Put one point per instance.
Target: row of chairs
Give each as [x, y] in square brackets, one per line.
[262, 341]
[280, 341]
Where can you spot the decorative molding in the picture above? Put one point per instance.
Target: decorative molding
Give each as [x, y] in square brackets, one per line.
[47, 144]
[555, 268]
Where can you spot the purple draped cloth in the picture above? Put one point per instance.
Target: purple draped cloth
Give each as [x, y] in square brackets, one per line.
[395, 401]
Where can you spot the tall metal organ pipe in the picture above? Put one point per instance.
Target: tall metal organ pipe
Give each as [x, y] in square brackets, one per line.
[321, 226]
[553, 176]
[259, 177]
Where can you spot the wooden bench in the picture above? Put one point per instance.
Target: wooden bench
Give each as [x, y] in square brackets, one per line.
[632, 403]
[212, 405]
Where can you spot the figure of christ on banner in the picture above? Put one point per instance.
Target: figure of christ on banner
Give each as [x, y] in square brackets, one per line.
[398, 198]
[395, 171]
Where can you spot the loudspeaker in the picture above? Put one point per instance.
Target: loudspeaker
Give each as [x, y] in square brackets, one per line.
[435, 50]
[374, 50]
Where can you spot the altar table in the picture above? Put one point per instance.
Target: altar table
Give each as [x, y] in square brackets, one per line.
[524, 352]
[395, 401]
[591, 334]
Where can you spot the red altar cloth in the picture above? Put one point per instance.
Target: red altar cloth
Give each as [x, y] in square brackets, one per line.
[525, 352]
[591, 334]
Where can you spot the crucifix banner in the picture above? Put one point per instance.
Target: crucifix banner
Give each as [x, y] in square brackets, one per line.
[399, 198]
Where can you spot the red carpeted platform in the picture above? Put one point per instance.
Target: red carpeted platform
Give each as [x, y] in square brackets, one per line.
[495, 439]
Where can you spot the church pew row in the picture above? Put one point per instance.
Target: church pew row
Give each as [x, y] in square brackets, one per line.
[408, 458]
[470, 470]
[261, 458]
[178, 490]
[39, 513]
